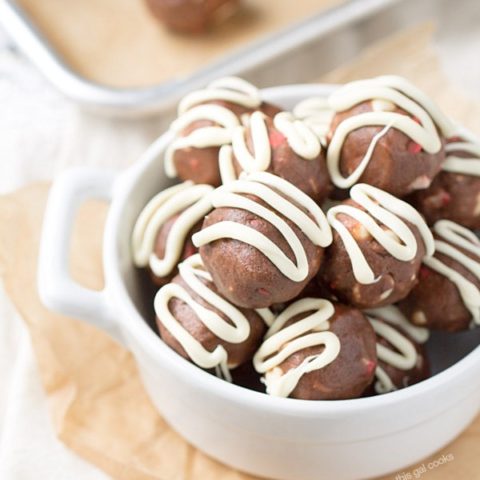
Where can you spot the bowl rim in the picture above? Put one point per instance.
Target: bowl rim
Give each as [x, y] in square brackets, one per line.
[130, 319]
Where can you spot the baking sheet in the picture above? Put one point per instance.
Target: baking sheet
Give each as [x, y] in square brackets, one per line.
[101, 40]
[295, 54]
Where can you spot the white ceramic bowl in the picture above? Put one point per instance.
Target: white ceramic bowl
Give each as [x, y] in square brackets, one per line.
[273, 437]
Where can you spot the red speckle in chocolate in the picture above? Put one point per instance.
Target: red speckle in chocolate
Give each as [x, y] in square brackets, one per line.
[454, 139]
[446, 198]
[263, 291]
[276, 138]
[189, 250]
[414, 147]
[370, 365]
[416, 119]
[424, 272]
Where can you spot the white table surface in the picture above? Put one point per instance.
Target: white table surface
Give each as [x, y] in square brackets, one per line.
[41, 134]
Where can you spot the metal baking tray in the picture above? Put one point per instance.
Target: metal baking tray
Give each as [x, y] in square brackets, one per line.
[298, 54]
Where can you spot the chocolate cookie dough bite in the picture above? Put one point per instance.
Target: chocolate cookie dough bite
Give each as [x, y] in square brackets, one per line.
[318, 350]
[284, 146]
[455, 192]
[378, 245]
[206, 120]
[192, 16]
[202, 326]
[402, 360]
[447, 296]
[162, 235]
[386, 133]
[264, 240]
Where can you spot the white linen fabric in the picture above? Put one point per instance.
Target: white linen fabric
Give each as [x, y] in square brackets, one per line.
[42, 133]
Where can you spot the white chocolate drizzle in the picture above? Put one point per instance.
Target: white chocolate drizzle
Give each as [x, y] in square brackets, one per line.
[280, 343]
[280, 196]
[406, 356]
[225, 164]
[317, 114]
[210, 136]
[384, 92]
[397, 239]
[260, 159]
[301, 139]
[195, 107]
[227, 89]
[470, 165]
[187, 199]
[238, 331]
[453, 235]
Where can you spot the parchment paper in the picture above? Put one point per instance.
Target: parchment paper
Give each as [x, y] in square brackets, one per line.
[97, 403]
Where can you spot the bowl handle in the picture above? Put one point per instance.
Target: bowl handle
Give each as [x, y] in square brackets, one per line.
[58, 291]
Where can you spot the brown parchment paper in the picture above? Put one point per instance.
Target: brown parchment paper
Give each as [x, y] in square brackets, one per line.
[97, 403]
[77, 28]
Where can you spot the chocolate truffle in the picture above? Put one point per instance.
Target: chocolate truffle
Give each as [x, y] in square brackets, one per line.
[318, 350]
[447, 296]
[378, 245]
[455, 192]
[402, 360]
[264, 240]
[206, 120]
[192, 16]
[203, 327]
[386, 133]
[284, 146]
[162, 233]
